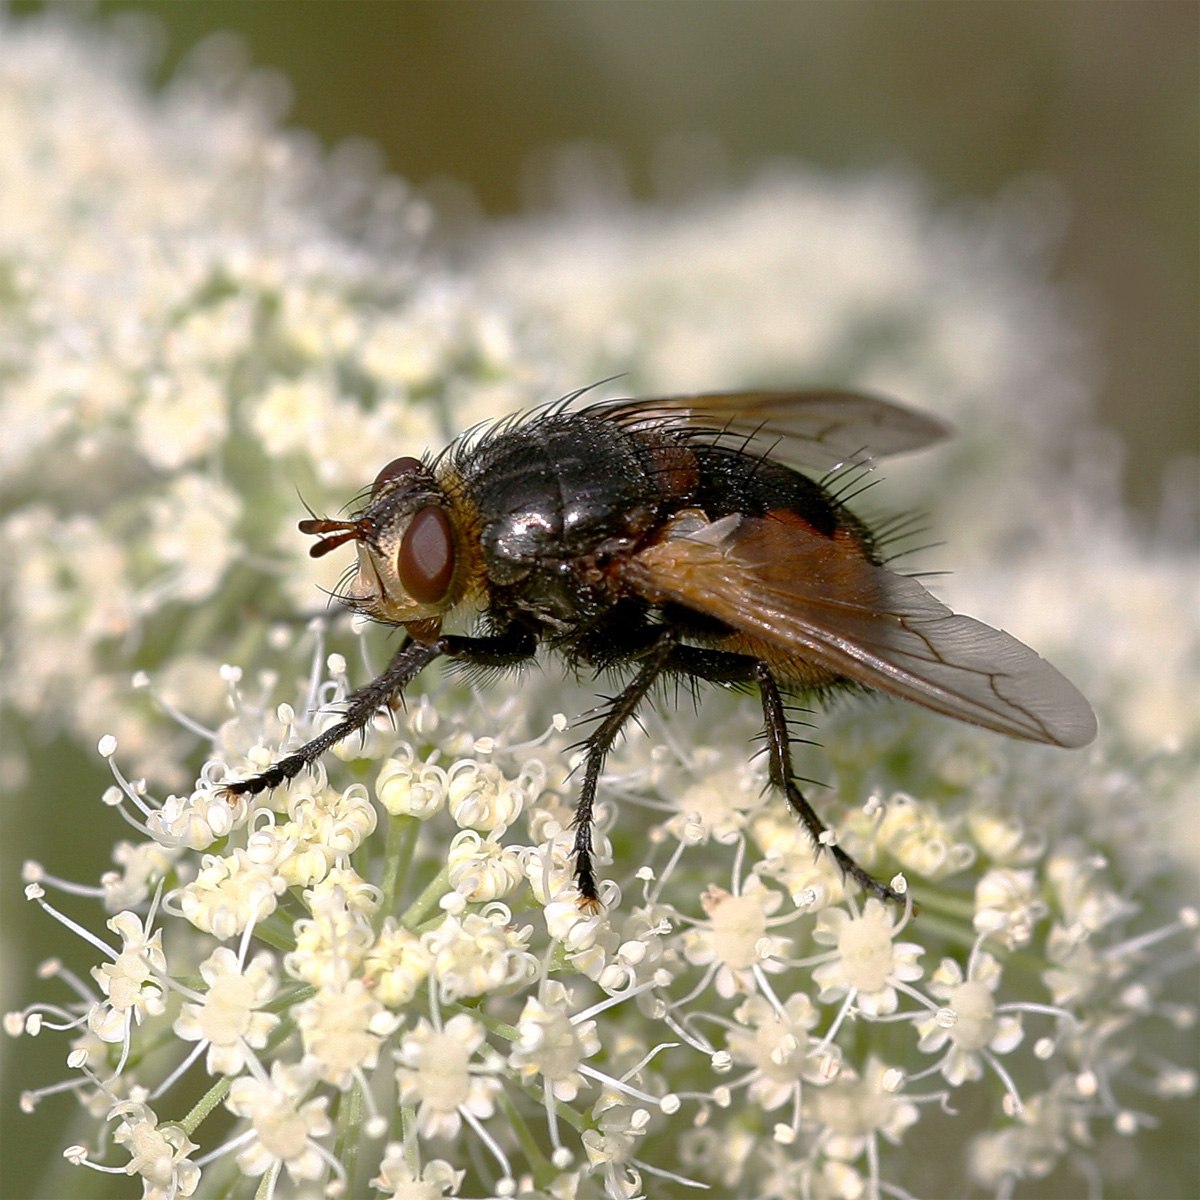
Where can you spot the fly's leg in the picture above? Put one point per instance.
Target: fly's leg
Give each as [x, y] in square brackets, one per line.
[595, 748]
[504, 649]
[779, 753]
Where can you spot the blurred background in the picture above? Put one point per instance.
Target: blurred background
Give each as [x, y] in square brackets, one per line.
[1101, 98]
[468, 100]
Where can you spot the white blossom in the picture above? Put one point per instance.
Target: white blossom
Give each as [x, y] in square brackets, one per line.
[228, 1016]
[434, 1073]
[132, 983]
[969, 1023]
[734, 939]
[551, 1043]
[202, 314]
[867, 962]
[287, 1128]
[158, 1153]
[344, 1029]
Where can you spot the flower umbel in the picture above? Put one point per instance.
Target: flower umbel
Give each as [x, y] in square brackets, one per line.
[380, 976]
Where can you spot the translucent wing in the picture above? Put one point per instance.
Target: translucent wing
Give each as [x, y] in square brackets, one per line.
[819, 600]
[814, 429]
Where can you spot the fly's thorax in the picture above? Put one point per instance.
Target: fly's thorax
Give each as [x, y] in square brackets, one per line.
[558, 489]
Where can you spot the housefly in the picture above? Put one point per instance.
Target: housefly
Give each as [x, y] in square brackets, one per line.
[674, 537]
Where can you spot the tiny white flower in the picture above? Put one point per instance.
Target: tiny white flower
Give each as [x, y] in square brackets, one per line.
[142, 865]
[734, 938]
[189, 533]
[483, 869]
[854, 1108]
[158, 1153]
[290, 413]
[715, 796]
[181, 418]
[1008, 905]
[228, 893]
[476, 954]
[918, 835]
[401, 1180]
[480, 797]
[287, 1128]
[976, 1026]
[343, 1028]
[338, 821]
[227, 1016]
[868, 962]
[1078, 970]
[1005, 839]
[193, 822]
[1084, 899]
[776, 1044]
[551, 1043]
[331, 943]
[436, 1074]
[409, 788]
[397, 964]
[132, 984]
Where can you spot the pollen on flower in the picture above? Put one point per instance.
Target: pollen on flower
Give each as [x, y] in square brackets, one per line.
[735, 937]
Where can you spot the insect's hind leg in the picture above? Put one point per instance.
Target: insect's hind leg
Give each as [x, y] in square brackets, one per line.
[779, 752]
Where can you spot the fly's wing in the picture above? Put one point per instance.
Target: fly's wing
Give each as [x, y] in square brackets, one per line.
[817, 430]
[819, 599]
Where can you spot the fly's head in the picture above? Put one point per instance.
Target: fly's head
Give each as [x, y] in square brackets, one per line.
[409, 551]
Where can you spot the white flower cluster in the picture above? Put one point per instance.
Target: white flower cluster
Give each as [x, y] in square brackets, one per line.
[380, 978]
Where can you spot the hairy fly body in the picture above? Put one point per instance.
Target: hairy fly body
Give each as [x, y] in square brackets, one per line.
[674, 537]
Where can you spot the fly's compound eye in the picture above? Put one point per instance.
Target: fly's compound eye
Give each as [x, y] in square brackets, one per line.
[425, 561]
[396, 469]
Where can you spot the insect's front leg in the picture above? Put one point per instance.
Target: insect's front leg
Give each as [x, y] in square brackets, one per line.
[504, 649]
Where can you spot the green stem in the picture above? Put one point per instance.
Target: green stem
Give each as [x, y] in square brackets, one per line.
[543, 1169]
[402, 835]
[205, 1105]
[434, 890]
[349, 1141]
